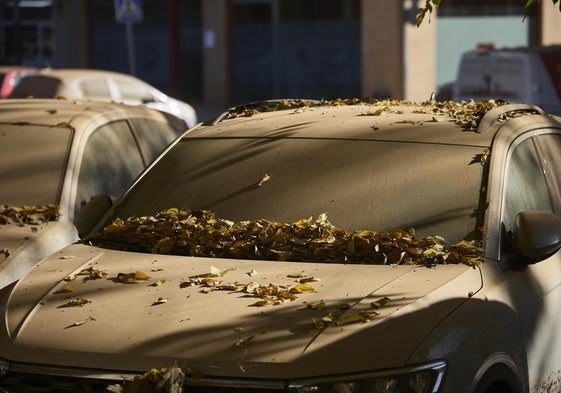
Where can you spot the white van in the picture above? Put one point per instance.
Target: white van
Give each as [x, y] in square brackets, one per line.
[528, 75]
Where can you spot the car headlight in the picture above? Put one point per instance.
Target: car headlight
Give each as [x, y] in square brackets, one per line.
[4, 367]
[425, 378]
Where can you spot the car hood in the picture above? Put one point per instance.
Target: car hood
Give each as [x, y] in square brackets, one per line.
[143, 310]
[21, 246]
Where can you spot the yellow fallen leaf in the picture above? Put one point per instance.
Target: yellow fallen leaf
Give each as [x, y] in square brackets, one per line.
[65, 289]
[132, 278]
[301, 288]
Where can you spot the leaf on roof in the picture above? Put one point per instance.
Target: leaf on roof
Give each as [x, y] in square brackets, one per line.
[465, 114]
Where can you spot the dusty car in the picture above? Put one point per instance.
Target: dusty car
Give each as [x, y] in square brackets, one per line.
[313, 246]
[101, 85]
[55, 156]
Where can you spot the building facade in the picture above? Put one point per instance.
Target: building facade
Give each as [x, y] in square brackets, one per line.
[226, 52]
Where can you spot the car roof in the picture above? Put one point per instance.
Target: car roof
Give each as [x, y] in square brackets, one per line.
[391, 120]
[52, 112]
[76, 73]
[17, 68]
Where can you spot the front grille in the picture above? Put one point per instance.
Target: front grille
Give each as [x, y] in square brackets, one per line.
[22, 382]
[16, 382]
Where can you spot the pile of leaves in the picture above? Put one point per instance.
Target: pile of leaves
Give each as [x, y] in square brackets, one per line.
[465, 114]
[199, 233]
[30, 215]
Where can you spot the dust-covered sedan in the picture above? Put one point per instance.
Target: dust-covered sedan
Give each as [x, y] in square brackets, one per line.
[55, 157]
[313, 246]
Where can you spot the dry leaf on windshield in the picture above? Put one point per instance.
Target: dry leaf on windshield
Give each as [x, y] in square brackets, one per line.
[199, 233]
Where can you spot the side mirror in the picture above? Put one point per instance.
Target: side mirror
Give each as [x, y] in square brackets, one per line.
[536, 234]
[92, 213]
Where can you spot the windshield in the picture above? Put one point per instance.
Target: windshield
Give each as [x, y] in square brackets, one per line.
[32, 163]
[358, 184]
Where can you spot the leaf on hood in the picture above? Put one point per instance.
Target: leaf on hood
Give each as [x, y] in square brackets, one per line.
[217, 272]
[355, 317]
[381, 302]
[65, 289]
[80, 323]
[132, 278]
[297, 275]
[92, 273]
[301, 288]
[261, 303]
[252, 273]
[308, 279]
[227, 287]
[78, 302]
[161, 300]
[317, 305]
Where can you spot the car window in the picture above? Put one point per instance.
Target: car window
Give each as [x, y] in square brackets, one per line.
[32, 163]
[526, 187]
[36, 86]
[110, 162]
[155, 136]
[131, 90]
[549, 148]
[95, 88]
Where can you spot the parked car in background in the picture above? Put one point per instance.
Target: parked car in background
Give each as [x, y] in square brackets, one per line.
[101, 85]
[55, 156]
[313, 246]
[10, 76]
[527, 75]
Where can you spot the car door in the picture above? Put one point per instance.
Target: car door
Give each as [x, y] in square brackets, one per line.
[531, 183]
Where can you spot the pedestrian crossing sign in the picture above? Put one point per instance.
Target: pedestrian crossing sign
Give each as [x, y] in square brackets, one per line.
[128, 11]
